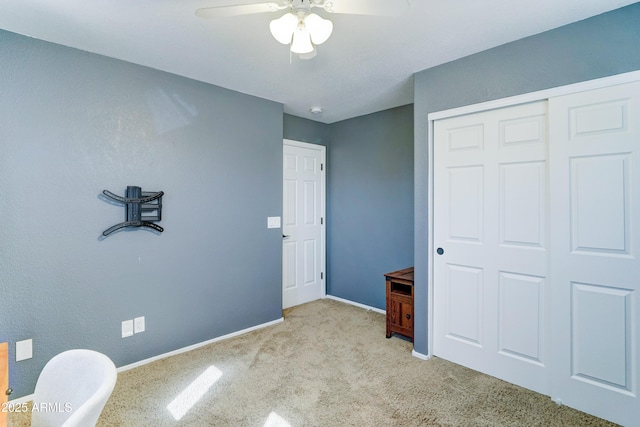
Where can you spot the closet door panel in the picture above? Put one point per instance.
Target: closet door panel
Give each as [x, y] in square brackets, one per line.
[490, 220]
[595, 264]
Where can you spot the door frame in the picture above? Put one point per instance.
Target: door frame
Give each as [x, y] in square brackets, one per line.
[475, 108]
[323, 211]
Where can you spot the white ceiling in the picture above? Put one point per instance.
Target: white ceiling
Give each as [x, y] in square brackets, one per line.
[366, 65]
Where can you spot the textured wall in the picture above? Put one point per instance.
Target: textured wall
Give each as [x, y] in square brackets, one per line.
[369, 203]
[73, 124]
[604, 45]
[305, 130]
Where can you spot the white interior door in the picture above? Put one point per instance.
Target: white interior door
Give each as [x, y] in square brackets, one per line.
[490, 223]
[595, 144]
[303, 227]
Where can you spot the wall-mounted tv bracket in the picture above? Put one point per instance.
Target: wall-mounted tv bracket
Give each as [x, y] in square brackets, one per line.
[143, 209]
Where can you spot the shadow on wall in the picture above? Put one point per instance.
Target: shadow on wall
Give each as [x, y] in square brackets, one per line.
[169, 111]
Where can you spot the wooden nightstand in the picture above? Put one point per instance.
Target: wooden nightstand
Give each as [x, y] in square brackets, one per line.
[400, 302]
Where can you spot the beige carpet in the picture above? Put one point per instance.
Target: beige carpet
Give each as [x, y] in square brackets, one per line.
[327, 364]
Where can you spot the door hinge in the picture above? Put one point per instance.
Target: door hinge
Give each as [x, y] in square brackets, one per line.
[321, 166]
[321, 221]
[321, 275]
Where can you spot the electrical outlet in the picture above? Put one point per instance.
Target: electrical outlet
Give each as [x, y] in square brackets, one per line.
[138, 325]
[24, 350]
[127, 328]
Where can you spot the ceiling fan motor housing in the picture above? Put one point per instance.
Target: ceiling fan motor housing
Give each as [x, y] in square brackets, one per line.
[305, 6]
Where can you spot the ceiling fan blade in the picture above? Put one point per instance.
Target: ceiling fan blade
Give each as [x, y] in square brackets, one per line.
[367, 7]
[235, 10]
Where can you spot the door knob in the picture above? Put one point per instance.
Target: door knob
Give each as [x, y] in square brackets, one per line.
[285, 236]
[440, 251]
[9, 391]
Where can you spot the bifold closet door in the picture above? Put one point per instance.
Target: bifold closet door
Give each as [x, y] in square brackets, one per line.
[595, 245]
[490, 231]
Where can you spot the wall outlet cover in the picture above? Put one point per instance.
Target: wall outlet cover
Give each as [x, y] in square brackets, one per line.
[273, 222]
[138, 325]
[24, 350]
[127, 328]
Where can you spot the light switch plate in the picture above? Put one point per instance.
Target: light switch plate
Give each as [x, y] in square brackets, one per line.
[138, 324]
[273, 222]
[24, 350]
[127, 328]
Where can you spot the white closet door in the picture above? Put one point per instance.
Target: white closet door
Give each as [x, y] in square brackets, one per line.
[490, 222]
[595, 265]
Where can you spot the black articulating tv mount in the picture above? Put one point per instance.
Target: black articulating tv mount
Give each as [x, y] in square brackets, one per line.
[143, 209]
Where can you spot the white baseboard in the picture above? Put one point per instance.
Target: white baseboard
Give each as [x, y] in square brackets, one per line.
[29, 397]
[198, 345]
[420, 355]
[357, 304]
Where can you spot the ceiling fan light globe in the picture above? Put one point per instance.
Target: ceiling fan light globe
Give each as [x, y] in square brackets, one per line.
[301, 41]
[282, 28]
[319, 28]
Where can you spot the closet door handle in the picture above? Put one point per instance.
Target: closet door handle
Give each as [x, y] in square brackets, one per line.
[440, 251]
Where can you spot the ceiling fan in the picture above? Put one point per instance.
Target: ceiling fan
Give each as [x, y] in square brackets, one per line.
[300, 28]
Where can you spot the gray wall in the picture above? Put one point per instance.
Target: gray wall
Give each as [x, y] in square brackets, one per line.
[73, 124]
[604, 45]
[305, 130]
[369, 203]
